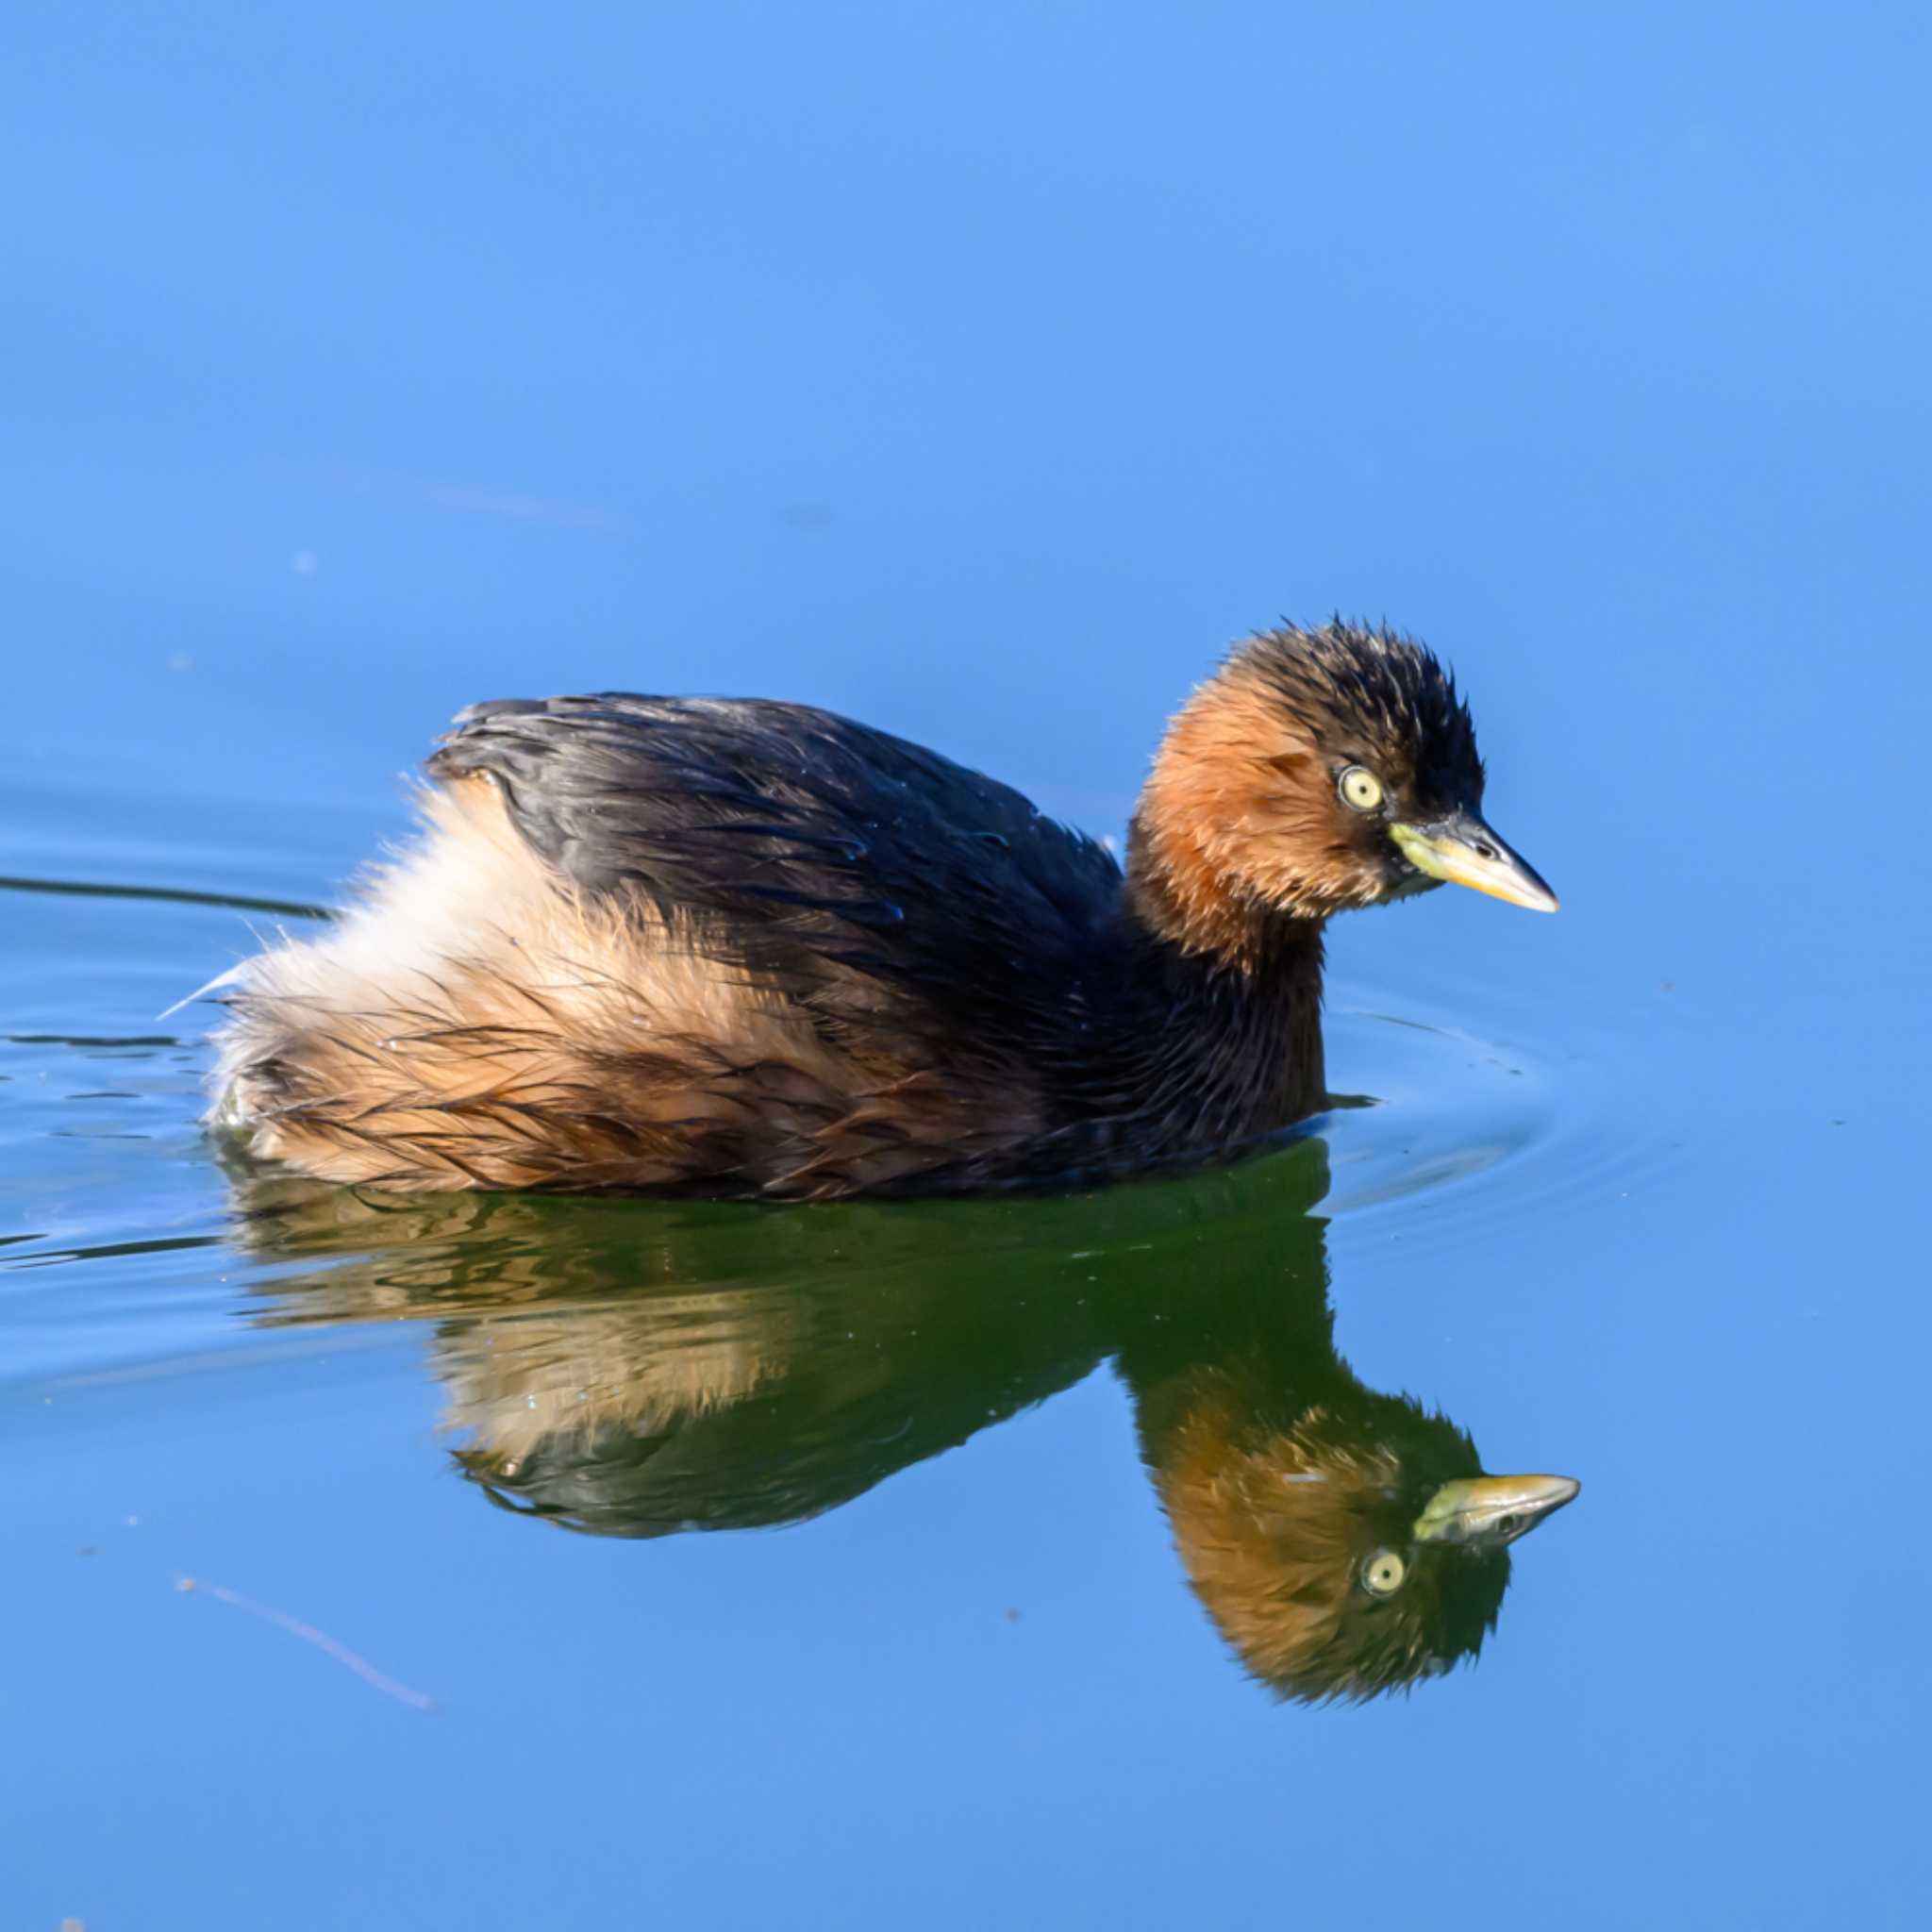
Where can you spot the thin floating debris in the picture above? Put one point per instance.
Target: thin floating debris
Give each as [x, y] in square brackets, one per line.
[309, 1634]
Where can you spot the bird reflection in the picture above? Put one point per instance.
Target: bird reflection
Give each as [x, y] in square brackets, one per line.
[636, 1368]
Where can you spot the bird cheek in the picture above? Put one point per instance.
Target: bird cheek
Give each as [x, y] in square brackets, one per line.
[1356, 877]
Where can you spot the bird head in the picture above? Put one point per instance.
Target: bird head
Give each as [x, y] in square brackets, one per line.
[1317, 771]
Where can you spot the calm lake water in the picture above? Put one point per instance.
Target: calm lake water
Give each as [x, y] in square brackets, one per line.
[582, 1563]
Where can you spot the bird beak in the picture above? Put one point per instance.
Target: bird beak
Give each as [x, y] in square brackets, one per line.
[1485, 1512]
[1463, 851]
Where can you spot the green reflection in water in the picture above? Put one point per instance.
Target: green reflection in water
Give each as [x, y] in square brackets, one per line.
[637, 1368]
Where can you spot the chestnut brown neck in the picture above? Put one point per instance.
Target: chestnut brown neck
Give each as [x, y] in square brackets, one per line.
[1175, 892]
[1222, 848]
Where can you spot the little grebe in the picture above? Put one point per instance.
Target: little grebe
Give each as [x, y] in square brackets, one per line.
[745, 948]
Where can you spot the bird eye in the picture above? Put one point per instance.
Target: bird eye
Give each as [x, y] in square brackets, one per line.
[1383, 1573]
[1360, 787]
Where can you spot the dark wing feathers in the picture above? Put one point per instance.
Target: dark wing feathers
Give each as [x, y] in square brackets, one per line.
[792, 840]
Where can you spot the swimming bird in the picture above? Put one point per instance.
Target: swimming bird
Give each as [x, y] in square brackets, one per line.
[739, 947]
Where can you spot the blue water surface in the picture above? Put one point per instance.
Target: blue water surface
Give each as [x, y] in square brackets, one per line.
[981, 372]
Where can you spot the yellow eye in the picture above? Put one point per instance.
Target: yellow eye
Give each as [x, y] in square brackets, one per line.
[1360, 787]
[1383, 1573]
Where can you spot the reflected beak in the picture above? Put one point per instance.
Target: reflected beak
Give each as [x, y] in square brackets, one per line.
[1462, 851]
[1485, 1512]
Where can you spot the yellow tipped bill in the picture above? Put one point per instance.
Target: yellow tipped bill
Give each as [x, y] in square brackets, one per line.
[1462, 851]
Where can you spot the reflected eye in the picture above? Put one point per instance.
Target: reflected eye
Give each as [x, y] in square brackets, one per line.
[1360, 787]
[1383, 1573]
